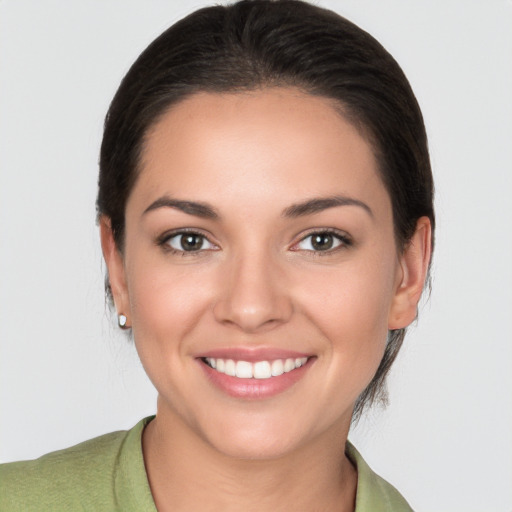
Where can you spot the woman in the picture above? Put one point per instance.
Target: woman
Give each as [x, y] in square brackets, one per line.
[265, 209]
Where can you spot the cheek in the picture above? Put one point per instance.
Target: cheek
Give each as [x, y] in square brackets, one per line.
[354, 299]
[355, 323]
[166, 302]
[167, 305]
[350, 307]
[358, 335]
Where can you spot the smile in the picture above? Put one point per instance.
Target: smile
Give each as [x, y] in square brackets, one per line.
[256, 370]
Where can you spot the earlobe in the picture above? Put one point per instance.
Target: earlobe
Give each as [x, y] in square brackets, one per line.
[115, 267]
[414, 263]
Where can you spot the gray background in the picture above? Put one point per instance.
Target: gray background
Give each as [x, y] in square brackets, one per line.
[67, 375]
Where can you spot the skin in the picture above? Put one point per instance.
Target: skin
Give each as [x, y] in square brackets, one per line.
[258, 282]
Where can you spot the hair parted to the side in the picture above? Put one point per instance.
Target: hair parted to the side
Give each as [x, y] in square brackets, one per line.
[270, 43]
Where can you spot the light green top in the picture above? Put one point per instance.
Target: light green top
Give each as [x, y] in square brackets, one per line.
[107, 474]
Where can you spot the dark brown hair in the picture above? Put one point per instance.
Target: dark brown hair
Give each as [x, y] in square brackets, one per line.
[264, 43]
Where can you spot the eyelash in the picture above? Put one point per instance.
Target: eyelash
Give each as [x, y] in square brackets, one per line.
[344, 242]
[163, 241]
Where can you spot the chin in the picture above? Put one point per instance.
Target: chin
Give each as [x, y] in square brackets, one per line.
[254, 447]
[261, 436]
[249, 436]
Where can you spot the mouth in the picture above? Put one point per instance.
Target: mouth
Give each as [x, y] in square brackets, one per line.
[262, 370]
[249, 375]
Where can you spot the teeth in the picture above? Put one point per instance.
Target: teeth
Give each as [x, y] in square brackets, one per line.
[277, 368]
[289, 365]
[258, 370]
[229, 369]
[243, 370]
[261, 370]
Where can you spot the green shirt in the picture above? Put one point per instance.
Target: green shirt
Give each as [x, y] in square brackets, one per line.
[107, 474]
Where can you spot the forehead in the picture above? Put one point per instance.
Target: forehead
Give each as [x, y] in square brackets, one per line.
[266, 142]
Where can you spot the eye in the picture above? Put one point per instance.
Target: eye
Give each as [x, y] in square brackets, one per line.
[322, 241]
[188, 242]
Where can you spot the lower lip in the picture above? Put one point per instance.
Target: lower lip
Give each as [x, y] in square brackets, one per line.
[255, 389]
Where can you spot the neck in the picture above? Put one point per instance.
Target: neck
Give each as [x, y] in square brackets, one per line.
[186, 473]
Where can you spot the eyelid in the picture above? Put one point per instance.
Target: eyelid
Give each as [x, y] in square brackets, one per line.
[163, 240]
[342, 236]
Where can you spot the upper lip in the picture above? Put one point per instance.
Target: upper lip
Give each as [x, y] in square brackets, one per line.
[252, 354]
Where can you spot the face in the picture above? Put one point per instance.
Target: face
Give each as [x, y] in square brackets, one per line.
[260, 273]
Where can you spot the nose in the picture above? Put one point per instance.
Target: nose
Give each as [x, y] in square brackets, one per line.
[254, 295]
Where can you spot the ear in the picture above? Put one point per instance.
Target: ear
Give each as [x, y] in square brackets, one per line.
[414, 263]
[115, 267]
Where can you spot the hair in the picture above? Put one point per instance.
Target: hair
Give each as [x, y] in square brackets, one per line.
[255, 44]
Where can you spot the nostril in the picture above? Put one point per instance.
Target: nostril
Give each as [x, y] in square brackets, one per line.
[252, 296]
[251, 318]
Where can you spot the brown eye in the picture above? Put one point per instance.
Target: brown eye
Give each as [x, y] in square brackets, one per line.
[323, 241]
[189, 242]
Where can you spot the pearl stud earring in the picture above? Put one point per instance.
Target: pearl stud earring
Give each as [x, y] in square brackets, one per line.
[121, 321]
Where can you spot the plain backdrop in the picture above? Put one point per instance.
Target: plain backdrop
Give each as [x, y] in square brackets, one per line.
[67, 375]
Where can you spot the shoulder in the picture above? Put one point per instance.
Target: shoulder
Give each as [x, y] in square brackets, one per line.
[61, 478]
[374, 494]
[69, 479]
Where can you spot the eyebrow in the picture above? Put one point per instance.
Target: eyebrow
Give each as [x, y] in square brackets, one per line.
[308, 207]
[319, 204]
[191, 207]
